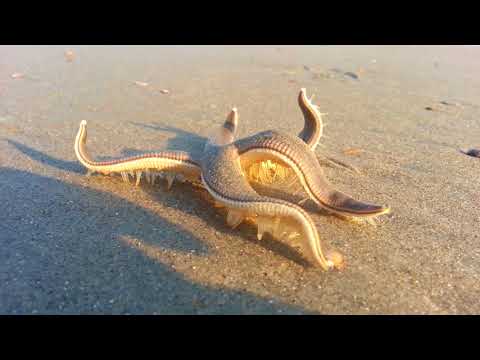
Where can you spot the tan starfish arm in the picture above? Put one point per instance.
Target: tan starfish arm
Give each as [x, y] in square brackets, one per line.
[293, 154]
[223, 178]
[313, 126]
[225, 134]
[173, 162]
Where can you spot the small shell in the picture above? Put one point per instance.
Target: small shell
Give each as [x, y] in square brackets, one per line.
[17, 75]
[352, 151]
[69, 55]
[141, 83]
[164, 91]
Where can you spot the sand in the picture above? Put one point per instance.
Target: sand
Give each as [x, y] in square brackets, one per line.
[71, 244]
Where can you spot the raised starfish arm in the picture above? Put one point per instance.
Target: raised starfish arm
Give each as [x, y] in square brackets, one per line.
[313, 127]
[313, 130]
[290, 153]
[225, 134]
[171, 162]
[223, 178]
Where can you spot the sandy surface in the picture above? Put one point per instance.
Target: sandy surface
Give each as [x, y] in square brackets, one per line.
[76, 244]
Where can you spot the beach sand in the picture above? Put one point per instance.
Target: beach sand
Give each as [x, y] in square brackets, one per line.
[74, 244]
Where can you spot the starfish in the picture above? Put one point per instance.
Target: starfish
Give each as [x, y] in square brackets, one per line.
[228, 167]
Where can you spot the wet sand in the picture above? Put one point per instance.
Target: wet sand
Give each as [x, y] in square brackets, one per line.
[71, 244]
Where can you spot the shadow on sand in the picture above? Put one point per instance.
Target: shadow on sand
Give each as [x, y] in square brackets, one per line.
[183, 140]
[72, 166]
[62, 251]
[196, 202]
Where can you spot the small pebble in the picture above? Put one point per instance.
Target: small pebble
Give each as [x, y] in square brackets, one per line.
[472, 152]
[352, 75]
[164, 91]
[17, 75]
[448, 103]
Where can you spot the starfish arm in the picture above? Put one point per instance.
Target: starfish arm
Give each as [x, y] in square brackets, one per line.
[231, 123]
[223, 178]
[292, 153]
[172, 161]
[225, 134]
[313, 126]
[313, 130]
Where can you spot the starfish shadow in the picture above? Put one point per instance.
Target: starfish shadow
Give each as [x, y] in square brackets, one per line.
[65, 253]
[183, 140]
[72, 166]
[185, 194]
